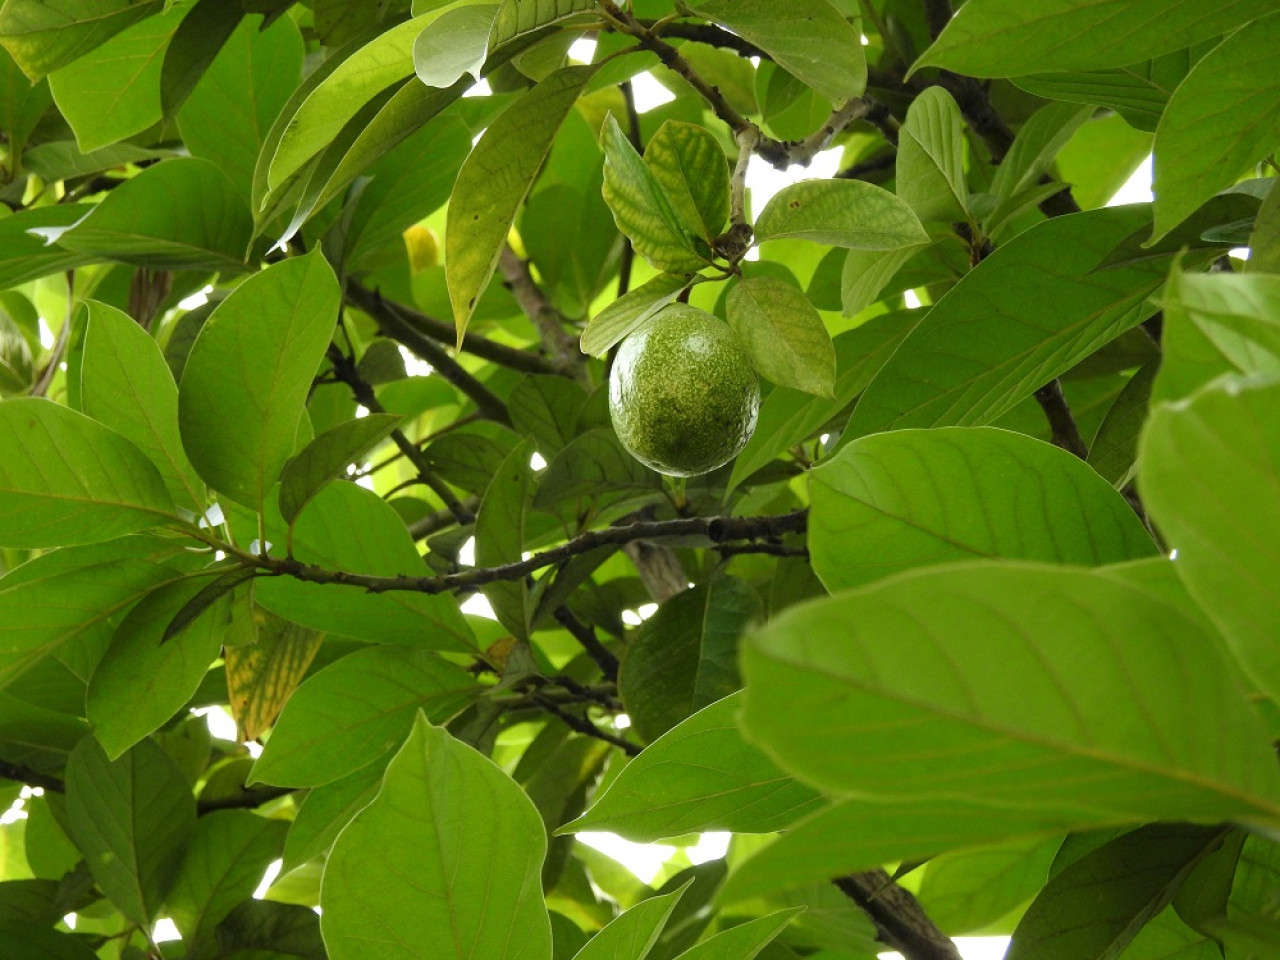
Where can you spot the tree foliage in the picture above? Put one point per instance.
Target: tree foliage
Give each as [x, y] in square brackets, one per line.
[304, 341]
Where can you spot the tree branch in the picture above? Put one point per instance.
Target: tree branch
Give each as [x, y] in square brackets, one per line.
[937, 14]
[391, 323]
[586, 636]
[707, 33]
[383, 310]
[1065, 432]
[584, 726]
[900, 920]
[715, 529]
[21, 773]
[568, 360]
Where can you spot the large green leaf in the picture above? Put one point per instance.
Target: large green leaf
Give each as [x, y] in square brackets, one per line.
[969, 889]
[227, 116]
[355, 81]
[1131, 878]
[841, 213]
[22, 939]
[1009, 38]
[811, 40]
[1030, 686]
[351, 713]
[1114, 450]
[784, 335]
[142, 682]
[1208, 473]
[246, 380]
[684, 657]
[688, 163]
[516, 18]
[642, 209]
[126, 385]
[454, 45]
[1042, 304]
[132, 820]
[494, 181]
[325, 458]
[911, 498]
[633, 934]
[224, 864]
[445, 862]
[195, 45]
[326, 810]
[42, 36]
[66, 479]
[1223, 118]
[129, 65]
[22, 103]
[699, 775]
[181, 214]
[347, 527]
[930, 164]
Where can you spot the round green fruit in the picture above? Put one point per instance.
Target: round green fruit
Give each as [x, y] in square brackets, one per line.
[682, 393]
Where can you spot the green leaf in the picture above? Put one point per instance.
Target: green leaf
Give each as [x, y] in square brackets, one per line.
[500, 537]
[910, 498]
[1208, 466]
[66, 479]
[226, 117]
[225, 861]
[642, 209]
[812, 41]
[788, 417]
[494, 181]
[866, 273]
[633, 934]
[1221, 120]
[546, 408]
[689, 165]
[268, 338]
[1137, 92]
[1114, 451]
[132, 819]
[326, 810]
[1043, 305]
[473, 845]
[684, 656]
[326, 457]
[1008, 38]
[195, 45]
[454, 45]
[1264, 242]
[516, 18]
[744, 941]
[22, 103]
[181, 214]
[259, 929]
[970, 889]
[347, 527]
[783, 334]
[1131, 879]
[930, 166]
[129, 65]
[1083, 696]
[126, 385]
[612, 324]
[1033, 151]
[70, 598]
[862, 834]
[19, 939]
[351, 713]
[42, 37]
[141, 683]
[699, 775]
[16, 372]
[841, 213]
[340, 94]
[25, 251]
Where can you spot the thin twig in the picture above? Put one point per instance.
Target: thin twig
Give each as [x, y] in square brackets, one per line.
[21, 773]
[586, 636]
[715, 529]
[584, 726]
[45, 380]
[709, 34]
[628, 256]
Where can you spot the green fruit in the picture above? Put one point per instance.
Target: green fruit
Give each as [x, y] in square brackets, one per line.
[682, 394]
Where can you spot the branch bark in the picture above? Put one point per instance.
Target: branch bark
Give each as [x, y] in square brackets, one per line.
[900, 920]
[567, 359]
[1063, 425]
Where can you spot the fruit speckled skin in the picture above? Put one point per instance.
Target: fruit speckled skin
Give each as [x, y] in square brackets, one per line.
[682, 393]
